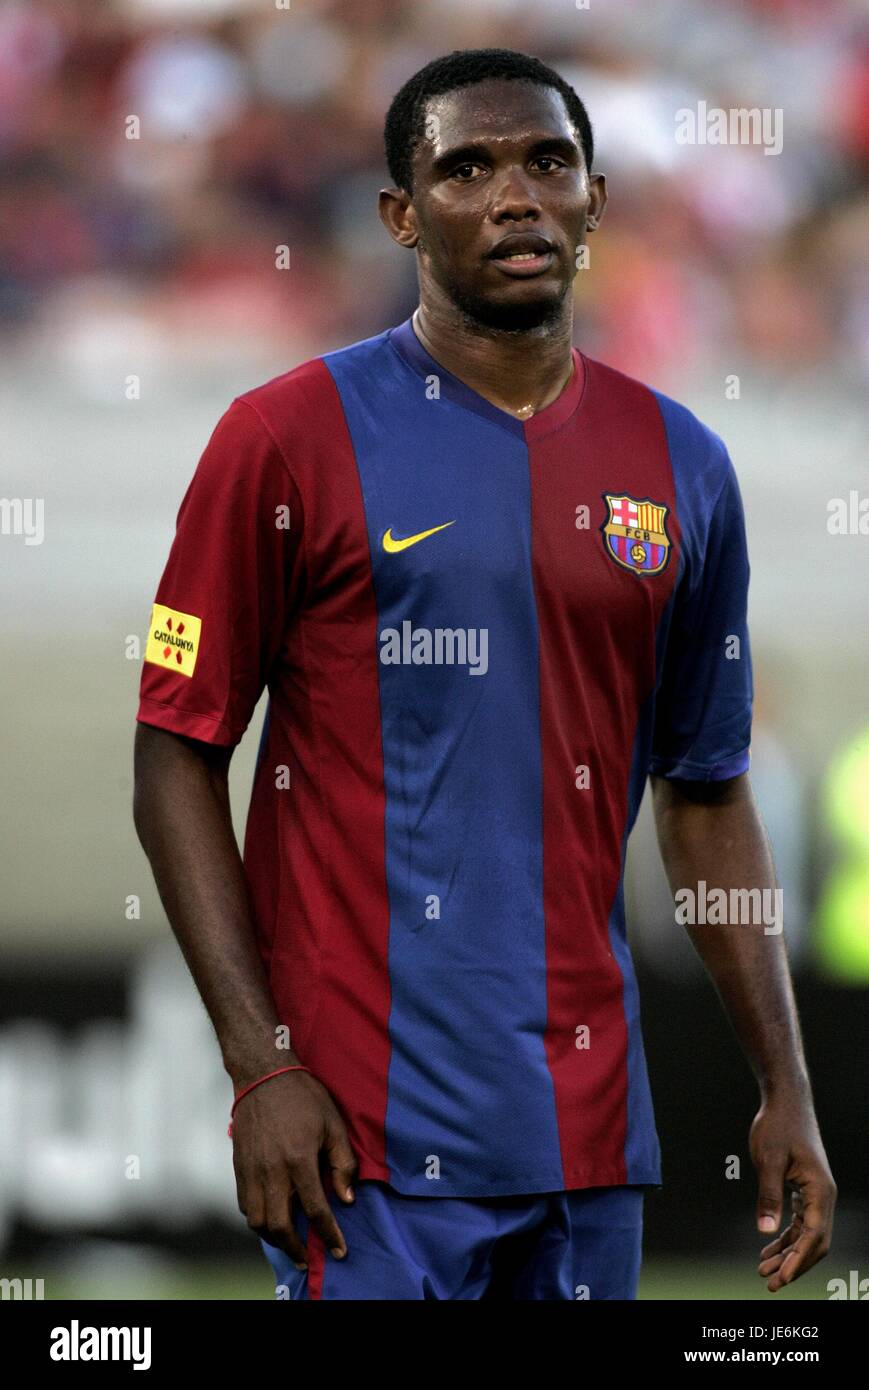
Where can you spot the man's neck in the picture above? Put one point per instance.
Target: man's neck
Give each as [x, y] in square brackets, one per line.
[518, 372]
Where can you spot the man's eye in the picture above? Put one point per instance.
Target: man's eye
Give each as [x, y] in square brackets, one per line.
[550, 160]
[463, 169]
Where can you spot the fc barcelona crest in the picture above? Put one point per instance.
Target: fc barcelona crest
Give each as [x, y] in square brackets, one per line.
[635, 533]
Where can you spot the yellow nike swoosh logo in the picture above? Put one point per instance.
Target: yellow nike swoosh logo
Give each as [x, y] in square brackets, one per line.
[393, 545]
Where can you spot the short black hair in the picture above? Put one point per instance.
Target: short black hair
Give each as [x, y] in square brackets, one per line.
[405, 119]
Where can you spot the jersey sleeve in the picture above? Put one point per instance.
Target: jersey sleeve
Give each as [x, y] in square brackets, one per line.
[230, 587]
[703, 711]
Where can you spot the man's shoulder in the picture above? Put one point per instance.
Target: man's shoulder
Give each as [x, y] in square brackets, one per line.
[694, 447]
[304, 392]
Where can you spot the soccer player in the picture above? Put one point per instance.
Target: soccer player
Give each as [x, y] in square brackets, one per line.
[491, 586]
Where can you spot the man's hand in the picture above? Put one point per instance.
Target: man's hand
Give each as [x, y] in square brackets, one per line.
[786, 1147]
[712, 832]
[184, 821]
[278, 1132]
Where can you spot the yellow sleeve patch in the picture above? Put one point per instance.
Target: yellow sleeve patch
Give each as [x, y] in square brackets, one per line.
[173, 640]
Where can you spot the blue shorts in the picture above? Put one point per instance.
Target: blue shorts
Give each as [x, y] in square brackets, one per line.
[584, 1244]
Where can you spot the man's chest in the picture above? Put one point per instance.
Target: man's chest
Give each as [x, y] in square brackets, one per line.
[481, 530]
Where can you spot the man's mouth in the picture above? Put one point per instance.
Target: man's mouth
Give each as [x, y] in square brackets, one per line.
[523, 254]
[523, 263]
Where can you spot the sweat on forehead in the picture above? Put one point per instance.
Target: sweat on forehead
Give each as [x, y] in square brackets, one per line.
[487, 115]
[462, 79]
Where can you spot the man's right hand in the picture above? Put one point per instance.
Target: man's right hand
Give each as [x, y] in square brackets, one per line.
[184, 821]
[278, 1133]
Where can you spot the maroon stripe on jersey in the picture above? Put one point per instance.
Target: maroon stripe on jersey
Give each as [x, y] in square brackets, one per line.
[319, 851]
[316, 1264]
[596, 633]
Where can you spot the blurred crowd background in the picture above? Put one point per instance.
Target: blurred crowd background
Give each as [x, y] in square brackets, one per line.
[139, 293]
[262, 126]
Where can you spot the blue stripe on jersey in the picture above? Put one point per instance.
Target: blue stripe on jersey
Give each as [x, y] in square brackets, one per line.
[469, 995]
[706, 705]
[642, 1148]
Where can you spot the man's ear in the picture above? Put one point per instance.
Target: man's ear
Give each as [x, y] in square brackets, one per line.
[398, 216]
[597, 201]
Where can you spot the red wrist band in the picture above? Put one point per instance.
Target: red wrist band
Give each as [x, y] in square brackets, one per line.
[253, 1085]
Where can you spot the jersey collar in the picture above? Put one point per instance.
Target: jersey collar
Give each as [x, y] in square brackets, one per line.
[403, 338]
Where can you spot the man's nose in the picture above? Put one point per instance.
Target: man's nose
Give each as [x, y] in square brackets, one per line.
[514, 196]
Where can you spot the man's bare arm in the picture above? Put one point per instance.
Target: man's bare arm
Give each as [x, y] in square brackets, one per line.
[712, 831]
[182, 815]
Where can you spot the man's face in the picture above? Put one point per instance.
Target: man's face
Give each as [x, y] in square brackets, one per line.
[501, 174]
